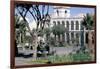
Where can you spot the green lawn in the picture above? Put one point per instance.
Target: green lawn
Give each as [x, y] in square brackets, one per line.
[79, 57]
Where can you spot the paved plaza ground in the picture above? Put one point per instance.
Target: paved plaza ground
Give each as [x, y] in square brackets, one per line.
[59, 51]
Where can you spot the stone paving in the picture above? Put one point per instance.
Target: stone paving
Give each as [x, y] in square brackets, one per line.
[59, 51]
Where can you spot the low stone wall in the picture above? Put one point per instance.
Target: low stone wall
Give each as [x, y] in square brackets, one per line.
[64, 50]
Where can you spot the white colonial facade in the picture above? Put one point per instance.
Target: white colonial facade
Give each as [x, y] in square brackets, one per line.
[72, 25]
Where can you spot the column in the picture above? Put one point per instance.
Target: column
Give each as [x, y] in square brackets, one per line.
[74, 25]
[69, 26]
[65, 36]
[84, 36]
[79, 39]
[79, 32]
[79, 25]
[75, 38]
[57, 37]
[65, 24]
[60, 34]
[69, 38]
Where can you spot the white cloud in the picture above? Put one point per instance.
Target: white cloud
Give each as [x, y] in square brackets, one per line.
[32, 25]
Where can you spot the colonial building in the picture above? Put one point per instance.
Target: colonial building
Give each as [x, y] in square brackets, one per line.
[72, 24]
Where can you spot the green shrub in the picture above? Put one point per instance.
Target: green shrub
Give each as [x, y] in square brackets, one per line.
[78, 57]
[81, 57]
[60, 59]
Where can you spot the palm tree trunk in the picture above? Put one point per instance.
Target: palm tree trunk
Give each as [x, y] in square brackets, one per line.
[55, 37]
[82, 38]
[90, 44]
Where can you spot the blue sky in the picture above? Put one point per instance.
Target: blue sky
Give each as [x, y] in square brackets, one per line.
[77, 10]
[73, 11]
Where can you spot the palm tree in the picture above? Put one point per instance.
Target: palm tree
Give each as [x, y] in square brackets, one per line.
[17, 20]
[47, 32]
[87, 24]
[20, 31]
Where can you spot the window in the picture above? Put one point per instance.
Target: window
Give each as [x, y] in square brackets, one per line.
[68, 39]
[77, 38]
[58, 12]
[86, 41]
[65, 11]
[81, 26]
[72, 25]
[58, 22]
[67, 25]
[54, 22]
[63, 23]
[72, 37]
[77, 25]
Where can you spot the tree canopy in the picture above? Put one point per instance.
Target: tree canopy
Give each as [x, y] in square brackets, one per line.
[88, 21]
